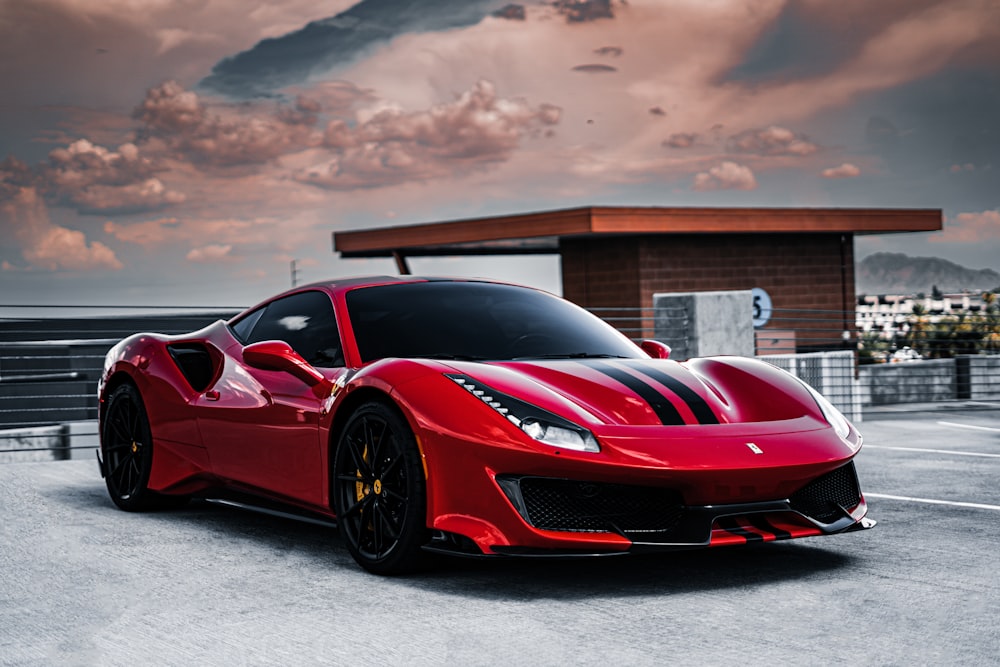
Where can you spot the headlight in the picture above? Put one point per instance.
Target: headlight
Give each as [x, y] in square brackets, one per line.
[539, 424]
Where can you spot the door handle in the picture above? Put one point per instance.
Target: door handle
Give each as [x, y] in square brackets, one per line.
[212, 395]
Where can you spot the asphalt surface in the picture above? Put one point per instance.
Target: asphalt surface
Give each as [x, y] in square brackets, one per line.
[82, 583]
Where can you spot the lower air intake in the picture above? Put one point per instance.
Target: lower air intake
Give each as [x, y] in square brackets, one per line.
[823, 498]
[568, 505]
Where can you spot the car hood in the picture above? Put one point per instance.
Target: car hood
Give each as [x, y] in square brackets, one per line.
[648, 392]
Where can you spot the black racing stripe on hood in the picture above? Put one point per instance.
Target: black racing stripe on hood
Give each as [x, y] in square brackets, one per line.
[664, 409]
[698, 405]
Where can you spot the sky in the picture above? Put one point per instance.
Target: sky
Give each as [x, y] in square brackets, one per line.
[186, 151]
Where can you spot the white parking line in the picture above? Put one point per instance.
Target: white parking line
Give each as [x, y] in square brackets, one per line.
[970, 427]
[933, 451]
[953, 503]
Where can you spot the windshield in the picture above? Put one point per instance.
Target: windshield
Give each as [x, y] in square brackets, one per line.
[476, 321]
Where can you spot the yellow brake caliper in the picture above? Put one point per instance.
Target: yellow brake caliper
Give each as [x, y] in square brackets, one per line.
[360, 488]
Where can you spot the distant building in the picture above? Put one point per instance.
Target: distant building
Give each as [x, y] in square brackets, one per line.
[887, 315]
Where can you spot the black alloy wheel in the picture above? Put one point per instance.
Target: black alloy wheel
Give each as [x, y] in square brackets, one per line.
[127, 445]
[379, 491]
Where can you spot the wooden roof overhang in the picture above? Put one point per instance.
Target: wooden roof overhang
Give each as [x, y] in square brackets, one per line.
[540, 233]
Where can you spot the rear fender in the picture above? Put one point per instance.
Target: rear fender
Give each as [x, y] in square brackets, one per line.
[145, 361]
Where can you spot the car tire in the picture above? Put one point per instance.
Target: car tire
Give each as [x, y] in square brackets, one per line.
[379, 491]
[127, 449]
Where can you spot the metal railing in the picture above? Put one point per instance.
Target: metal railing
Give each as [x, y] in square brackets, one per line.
[49, 366]
[636, 323]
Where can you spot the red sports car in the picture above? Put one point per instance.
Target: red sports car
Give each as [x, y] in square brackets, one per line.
[476, 418]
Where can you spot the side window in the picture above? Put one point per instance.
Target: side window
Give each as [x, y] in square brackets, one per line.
[306, 322]
[243, 328]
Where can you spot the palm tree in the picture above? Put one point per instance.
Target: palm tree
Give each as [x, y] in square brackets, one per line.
[916, 337]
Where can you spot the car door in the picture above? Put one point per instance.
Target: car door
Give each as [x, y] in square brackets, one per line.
[261, 427]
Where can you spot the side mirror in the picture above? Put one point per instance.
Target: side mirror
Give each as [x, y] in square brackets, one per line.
[655, 349]
[277, 355]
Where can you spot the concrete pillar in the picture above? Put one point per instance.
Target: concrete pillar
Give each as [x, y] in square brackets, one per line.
[702, 324]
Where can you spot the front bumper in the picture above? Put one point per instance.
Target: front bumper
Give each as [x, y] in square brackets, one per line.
[542, 515]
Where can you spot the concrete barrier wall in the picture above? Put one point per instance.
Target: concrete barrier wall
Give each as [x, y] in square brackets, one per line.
[984, 377]
[703, 324]
[69, 440]
[975, 377]
[914, 382]
[50, 443]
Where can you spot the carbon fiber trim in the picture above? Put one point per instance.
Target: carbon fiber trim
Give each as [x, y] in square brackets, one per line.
[830, 497]
[660, 520]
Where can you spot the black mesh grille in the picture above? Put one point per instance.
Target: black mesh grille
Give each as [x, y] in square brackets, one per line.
[823, 497]
[562, 504]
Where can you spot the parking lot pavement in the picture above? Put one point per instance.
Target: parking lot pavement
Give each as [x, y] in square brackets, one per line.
[82, 583]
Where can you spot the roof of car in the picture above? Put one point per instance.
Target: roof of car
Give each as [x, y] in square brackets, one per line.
[355, 281]
[345, 284]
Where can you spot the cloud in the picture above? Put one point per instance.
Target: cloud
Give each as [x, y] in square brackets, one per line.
[313, 153]
[169, 108]
[14, 175]
[47, 246]
[209, 254]
[510, 12]
[726, 176]
[610, 51]
[148, 195]
[845, 170]
[222, 136]
[340, 97]
[59, 248]
[772, 140]
[148, 233]
[103, 54]
[810, 38]
[93, 179]
[581, 11]
[661, 72]
[388, 145]
[681, 140]
[188, 231]
[595, 69]
[909, 42]
[970, 228]
[327, 43]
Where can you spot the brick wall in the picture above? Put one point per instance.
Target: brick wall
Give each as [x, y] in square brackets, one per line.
[800, 271]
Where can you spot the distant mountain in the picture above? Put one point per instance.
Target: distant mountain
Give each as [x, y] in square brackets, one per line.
[895, 273]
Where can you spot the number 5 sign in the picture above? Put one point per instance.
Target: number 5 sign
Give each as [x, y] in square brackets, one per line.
[761, 307]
